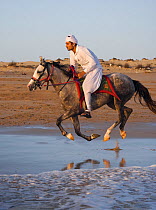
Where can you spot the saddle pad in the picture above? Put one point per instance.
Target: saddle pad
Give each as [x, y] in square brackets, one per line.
[105, 87]
[104, 84]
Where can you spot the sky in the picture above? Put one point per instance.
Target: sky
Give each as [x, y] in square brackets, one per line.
[110, 28]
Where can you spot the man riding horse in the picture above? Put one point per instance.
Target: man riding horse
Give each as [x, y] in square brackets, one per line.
[66, 88]
[92, 69]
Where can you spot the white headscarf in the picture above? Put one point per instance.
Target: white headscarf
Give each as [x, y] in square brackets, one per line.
[71, 38]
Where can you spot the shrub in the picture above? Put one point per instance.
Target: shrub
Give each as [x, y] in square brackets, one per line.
[101, 60]
[59, 60]
[119, 64]
[12, 64]
[126, 65]
[148, 66]
[130, 59]
[139, 66]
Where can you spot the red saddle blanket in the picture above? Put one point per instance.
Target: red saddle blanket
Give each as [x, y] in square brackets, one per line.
[105, 87]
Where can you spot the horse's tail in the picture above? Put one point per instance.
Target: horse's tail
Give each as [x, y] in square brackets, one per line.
[142, 93]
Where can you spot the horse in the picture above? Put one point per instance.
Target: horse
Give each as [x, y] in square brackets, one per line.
[62, 81]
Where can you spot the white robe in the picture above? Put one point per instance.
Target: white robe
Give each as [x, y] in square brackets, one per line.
[90, 64]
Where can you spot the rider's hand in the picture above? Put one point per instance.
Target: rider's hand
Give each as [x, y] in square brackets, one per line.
[81, 74]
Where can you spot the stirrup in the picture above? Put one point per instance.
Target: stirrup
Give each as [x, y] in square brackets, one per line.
[86, 114]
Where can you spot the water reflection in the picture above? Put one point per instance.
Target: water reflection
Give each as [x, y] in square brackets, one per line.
[116, 149]
[106, 163]
[79, 165]
[122, 163]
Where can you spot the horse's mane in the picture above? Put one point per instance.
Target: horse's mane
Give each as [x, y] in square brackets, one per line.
[63, 67]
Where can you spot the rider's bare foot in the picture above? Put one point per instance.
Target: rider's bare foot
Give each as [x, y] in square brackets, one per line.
[86, 114]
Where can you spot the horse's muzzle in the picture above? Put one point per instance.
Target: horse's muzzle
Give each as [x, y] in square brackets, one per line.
[31, 87]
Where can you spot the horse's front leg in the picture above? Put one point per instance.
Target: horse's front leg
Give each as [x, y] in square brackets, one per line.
[76, 125]
[58, 123]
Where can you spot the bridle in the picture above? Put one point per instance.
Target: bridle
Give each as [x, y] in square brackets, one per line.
[41, 81]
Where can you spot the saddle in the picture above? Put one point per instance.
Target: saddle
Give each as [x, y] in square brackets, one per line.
[105, 87]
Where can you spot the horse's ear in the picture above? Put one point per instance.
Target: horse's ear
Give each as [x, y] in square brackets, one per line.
[42, 61]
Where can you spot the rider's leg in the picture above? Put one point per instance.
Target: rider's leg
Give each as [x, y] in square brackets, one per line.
[88, 101]
[88, 104]
[91, 84]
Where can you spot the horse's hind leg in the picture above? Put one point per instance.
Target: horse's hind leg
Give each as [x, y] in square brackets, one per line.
[116, 105]
[123, 114]
[76, 125]
[109, 130]
[127, 113]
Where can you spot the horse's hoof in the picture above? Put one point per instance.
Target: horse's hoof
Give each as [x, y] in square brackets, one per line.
[106, 138]
[70, 136]
[123, 134]
[94, 136]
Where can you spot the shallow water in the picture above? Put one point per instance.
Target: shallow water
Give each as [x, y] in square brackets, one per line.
[34, 150]
[40, 169]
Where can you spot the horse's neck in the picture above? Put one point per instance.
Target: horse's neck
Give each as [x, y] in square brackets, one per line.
[58, 77]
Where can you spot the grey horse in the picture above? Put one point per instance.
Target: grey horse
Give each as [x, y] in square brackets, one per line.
[64, 85]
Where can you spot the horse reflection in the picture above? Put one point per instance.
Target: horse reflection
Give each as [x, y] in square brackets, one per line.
[79, 165]
[93, 162]
[122, 162]
[108, 165]
[116, 149]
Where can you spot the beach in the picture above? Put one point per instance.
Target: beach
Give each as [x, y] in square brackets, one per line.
[41, 169]
[19, 106]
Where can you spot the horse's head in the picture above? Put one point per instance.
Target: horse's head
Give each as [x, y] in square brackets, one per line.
[53, 70]
[38, 73]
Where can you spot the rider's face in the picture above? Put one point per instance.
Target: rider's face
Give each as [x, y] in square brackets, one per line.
[70, 46]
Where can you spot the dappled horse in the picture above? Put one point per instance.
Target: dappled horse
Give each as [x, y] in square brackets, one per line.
[66, 87]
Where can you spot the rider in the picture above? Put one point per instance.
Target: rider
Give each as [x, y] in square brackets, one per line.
[92, 69]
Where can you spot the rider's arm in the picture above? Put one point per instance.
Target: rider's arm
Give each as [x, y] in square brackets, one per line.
[90, 59]
[72, 60]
